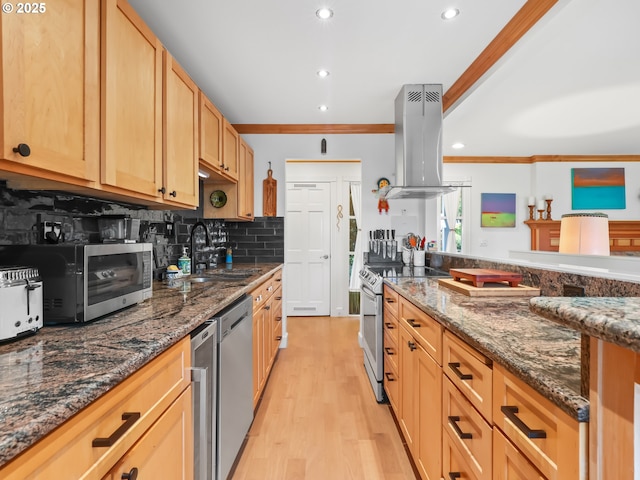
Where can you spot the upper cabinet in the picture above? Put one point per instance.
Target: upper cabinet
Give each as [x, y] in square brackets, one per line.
[149, 114]
[180, 133]
[51, 93]
[131, 103]
[245, 182]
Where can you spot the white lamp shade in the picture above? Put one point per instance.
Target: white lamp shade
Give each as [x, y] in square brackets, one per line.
[584, 234]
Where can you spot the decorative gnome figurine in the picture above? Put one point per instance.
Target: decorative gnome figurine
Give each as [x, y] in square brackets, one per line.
[383, 188]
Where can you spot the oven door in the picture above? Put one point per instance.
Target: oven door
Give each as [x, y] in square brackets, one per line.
[371, 312]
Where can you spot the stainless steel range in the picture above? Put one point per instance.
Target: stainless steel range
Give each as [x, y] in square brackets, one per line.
[372, 277]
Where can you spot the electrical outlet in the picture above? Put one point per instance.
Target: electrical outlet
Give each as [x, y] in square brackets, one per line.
[572, 291]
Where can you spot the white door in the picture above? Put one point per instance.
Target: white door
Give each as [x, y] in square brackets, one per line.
[308, 249]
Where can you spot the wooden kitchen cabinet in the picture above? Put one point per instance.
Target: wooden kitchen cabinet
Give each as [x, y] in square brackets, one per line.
[210, 147]
[509, 463]
[554, 445]
[421, 389]
[150, 394]
[267, 330]
[245, 181]
[391, 357]
[230, 149]
[180, 136]
[162, 451]
[50, 88]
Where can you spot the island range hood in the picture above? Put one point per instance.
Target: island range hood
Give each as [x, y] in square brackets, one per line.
[418, 143]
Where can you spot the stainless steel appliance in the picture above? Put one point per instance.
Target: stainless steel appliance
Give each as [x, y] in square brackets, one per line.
[204, 373]
[20, 302]
[84, 282]
[418, 143]
[235, 381]
[372, 278]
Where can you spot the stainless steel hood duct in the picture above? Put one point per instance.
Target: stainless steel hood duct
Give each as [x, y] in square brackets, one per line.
[418, 141]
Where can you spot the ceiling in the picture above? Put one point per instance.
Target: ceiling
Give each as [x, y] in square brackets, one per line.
[570, 86]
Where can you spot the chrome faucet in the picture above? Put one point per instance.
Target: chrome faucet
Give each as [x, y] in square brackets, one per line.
[194, 265]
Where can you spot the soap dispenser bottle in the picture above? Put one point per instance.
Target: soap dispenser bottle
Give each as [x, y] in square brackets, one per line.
[229, 257]
[184, 262]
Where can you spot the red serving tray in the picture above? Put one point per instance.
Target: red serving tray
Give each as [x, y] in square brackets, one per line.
[480, 276]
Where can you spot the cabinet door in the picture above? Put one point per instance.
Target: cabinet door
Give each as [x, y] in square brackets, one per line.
[211, 124]
[166, 449]
[407, 346]
[245, 182]
[180, 134]
[509, 463]
[230, 150]
[131, 103]
[51, 91]
[428, 412]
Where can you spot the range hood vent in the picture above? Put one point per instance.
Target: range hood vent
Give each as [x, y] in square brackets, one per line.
[418, 143]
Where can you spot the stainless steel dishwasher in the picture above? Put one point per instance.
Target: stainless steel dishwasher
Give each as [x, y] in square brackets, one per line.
[204, 372]
[235, 381]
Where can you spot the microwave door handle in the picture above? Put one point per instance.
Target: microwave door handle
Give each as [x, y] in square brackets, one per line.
[199, 375]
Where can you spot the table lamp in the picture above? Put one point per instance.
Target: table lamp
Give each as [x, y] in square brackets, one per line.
[584, 234]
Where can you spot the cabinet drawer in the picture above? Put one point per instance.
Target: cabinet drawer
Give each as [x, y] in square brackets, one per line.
[470, 371]
[454, 467]
[467, 430]
[68, 452]
[391, 349]
[390, 300]
[262, 293]
[390, 324]
[546, 435]
[509, 463]
[423, 328]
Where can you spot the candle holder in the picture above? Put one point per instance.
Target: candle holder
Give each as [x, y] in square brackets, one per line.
[549, 200]
[531, 207]
[540, 214]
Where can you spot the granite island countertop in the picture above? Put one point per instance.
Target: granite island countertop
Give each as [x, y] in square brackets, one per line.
[48, 377]
[613, 319]
[542, 353]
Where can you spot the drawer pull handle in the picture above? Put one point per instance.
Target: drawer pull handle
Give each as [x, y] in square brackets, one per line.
[453, 421]
[413, 323]
[411, 345]
[132, 475]
[389, 376]
[389, 300]
[129, 419]
[455, 366]
[278, 319]
[389, 325]
[279, 337]
[389, 350]
[278, 298]
[454, 475]
[510, 413]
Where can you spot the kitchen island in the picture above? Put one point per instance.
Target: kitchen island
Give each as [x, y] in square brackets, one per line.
[47, 378]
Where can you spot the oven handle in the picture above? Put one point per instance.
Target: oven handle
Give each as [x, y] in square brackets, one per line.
[368, 292]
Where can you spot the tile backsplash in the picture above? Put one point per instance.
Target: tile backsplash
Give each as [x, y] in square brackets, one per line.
[22, 213]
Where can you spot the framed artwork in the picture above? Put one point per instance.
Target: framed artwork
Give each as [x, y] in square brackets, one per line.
[597, 188]
[498, 210]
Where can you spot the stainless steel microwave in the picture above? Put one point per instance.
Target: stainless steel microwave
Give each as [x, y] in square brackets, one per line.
[85, 282]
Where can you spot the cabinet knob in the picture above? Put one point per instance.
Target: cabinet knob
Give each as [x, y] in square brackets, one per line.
[22, 149]
[173, 193]
[132, 475]
[162, 190]
[411, 345]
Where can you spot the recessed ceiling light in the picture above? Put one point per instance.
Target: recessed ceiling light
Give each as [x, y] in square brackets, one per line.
[450, 13]
[323, 73]
[458, 145]
[324, 13]
[323, 108]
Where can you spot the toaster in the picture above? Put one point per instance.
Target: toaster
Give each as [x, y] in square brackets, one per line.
[20, 301]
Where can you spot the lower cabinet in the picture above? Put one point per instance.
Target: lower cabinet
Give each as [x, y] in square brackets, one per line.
[267, 330]
[143, 423]
[463, 417]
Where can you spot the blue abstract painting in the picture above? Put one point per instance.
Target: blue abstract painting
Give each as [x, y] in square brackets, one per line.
[597, 188]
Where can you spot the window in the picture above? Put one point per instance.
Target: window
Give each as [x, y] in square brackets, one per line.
[457, 226]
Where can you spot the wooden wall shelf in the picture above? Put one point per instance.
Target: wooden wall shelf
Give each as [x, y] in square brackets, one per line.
[624, 235]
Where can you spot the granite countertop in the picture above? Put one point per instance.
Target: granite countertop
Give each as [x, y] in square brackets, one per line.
[542, 353]
[48, 377]
[613, 319]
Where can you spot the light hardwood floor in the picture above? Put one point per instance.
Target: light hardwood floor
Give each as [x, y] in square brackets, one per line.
[318, 418]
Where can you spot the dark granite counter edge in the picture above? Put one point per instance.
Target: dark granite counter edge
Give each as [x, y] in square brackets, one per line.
[574, 405]
[56, 414]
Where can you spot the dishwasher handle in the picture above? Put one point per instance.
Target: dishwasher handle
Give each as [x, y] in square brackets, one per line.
[199, 375]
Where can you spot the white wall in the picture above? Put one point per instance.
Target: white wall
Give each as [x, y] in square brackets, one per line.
[377, 155]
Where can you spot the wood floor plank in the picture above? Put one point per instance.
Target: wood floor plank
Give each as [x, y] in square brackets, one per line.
[318, 417]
